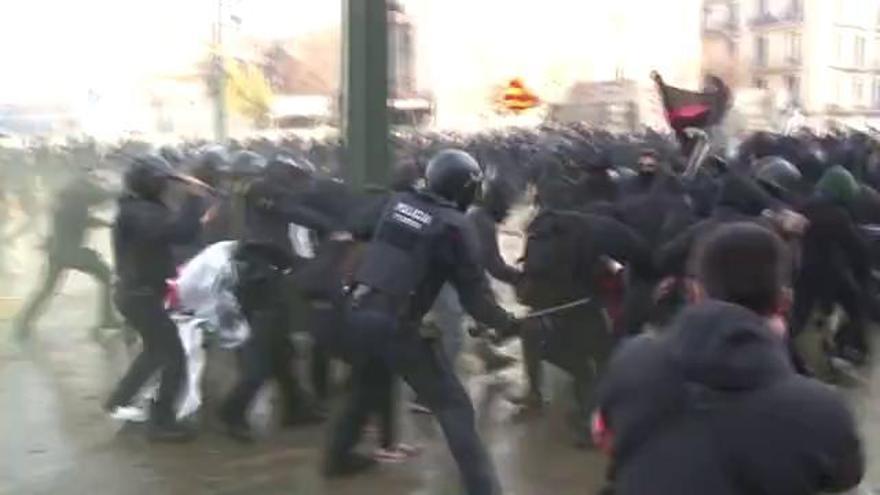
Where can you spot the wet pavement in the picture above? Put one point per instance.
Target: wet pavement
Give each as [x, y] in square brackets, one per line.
[56, 440]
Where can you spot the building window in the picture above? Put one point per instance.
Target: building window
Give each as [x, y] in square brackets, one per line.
[761, 51]
[860, 51]
[762, 8]
[760, 83]
[796, 9]
[875, 93]
[858, 90]
[793, 85]
[793, 47]
[838, 47]
[876, 53]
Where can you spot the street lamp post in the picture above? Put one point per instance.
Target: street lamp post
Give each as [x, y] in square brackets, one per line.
[365, 91]
[218, 69]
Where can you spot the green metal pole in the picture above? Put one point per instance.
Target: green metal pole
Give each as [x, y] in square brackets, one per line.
[219, 74]
[365, 91]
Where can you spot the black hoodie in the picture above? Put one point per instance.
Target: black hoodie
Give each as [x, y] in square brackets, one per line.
[715, 407]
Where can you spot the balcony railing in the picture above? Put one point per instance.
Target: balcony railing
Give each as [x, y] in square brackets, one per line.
[727, 28]
[784, 63]
[768, 19]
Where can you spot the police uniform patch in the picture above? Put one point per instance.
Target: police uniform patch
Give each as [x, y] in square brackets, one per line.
[406, 223]
[411, 216]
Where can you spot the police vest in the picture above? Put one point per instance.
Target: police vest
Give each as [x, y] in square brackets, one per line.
[396, 260]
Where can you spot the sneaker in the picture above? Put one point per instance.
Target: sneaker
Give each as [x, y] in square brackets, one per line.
[129, 414]
[389, 456]
[349, 465]
[409, 450]
[397, 454]
[419, 408]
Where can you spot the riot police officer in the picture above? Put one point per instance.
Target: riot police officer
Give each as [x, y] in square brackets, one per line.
[421, 241]
[143, 233]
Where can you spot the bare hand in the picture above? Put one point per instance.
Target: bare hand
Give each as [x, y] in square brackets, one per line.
[210, 214]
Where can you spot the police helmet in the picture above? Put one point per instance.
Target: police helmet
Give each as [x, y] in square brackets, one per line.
[292, 163]
[287, 169]
[247, 162]
[147, 176]
[778, 175]
[454, 175]
[171, 155]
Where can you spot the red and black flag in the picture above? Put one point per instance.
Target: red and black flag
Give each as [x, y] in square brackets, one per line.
[685, 108]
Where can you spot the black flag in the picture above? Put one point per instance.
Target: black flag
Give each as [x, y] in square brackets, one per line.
[685, 108]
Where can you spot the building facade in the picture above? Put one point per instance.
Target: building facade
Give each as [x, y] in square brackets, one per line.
[820, 57]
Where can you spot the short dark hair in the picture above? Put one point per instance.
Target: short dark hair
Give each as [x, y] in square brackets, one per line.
[744, 263]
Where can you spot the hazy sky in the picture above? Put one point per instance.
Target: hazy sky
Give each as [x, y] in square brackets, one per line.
[56, 50]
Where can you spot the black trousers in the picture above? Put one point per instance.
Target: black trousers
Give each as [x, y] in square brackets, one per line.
[578, 341]
[844, 292]
[371, 394]
[385, 346]
[268, 353]
[81, 259]
[162, 352]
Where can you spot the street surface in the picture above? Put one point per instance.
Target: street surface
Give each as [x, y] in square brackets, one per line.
[55, 439]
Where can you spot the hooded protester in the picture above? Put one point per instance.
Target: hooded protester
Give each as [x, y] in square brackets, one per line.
[272, 203]
[648, 169]
[719, 389]
[66, 249]
[740, 198]
[836, 261]
[597, 186]
[144, 232]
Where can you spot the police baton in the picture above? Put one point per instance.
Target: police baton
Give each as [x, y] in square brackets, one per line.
[557, 309]
[480, 331]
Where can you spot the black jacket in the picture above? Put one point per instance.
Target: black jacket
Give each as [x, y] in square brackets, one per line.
[490, 256]
[271, 208]
[71, 214]
[834, 252]
[714, 406]
[143, 233]
[740, 199]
